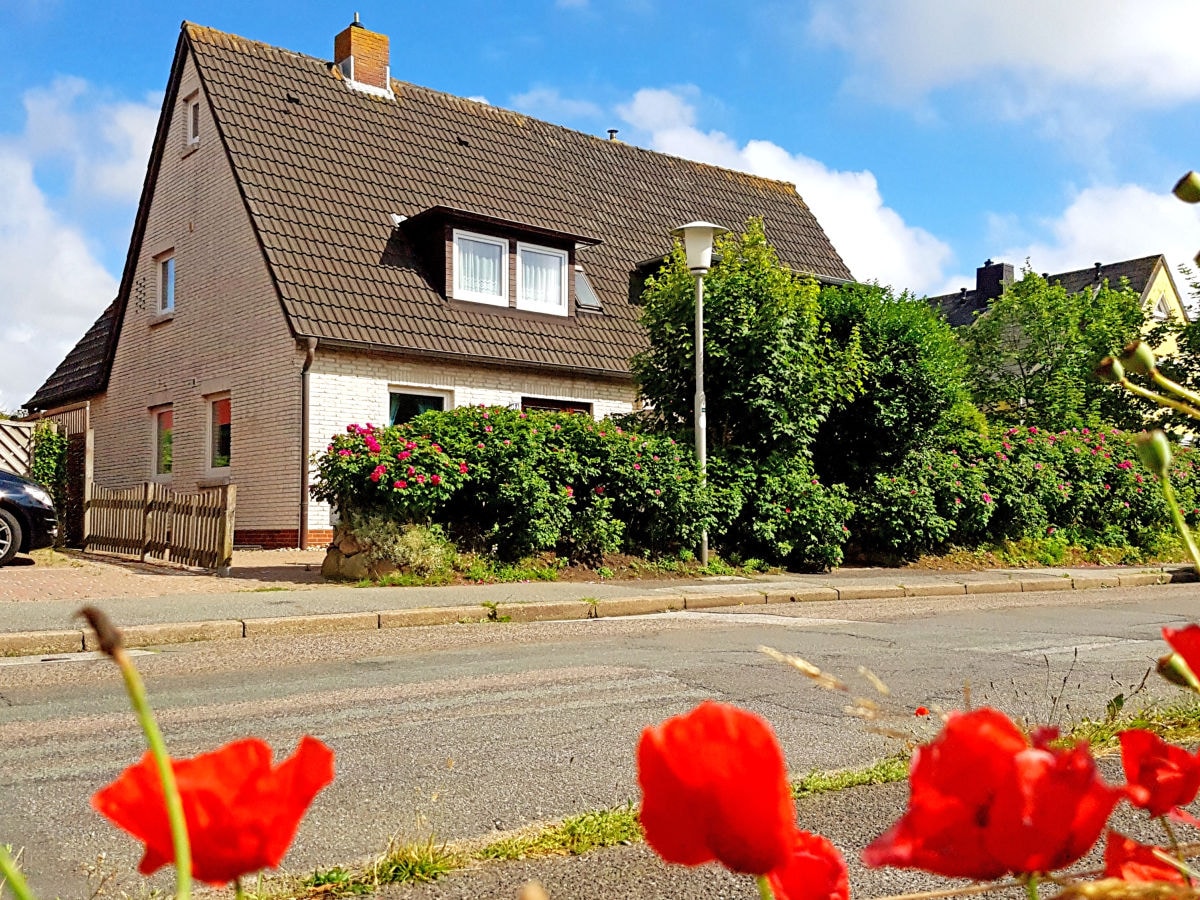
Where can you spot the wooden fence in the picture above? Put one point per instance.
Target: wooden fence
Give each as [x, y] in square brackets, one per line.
[151, 521]
[16, 446]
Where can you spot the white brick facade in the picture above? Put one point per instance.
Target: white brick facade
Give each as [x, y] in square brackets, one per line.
[350, 388]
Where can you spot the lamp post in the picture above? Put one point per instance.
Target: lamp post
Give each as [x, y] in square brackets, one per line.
[698, 245]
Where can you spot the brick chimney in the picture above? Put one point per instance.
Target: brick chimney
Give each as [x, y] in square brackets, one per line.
[991, 279]
[362, 56]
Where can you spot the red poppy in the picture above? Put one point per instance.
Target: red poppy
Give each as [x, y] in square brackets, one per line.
[983, 802]
[714, 787]
[241, 813]
[1169, 776]
[1130, 861]
[814, 870]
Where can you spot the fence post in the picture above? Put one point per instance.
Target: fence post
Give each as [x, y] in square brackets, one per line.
[148, 494]
[225, 533]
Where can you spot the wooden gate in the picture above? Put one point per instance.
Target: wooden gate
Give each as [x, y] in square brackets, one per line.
[16, 446]
[151, 521]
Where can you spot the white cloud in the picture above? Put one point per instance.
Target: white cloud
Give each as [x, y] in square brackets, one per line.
[106, 142]
[1143, 51]
[1106, 224]
[548, 103]
[53, 284]
[872, 238]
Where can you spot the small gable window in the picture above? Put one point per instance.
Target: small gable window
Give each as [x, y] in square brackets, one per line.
[1161, 311]
[541, 279]
[193, 123]
[166, 282]
[480, 268]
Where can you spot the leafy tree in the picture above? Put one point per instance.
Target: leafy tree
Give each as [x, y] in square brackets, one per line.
[769, 375]
[1032, 354]
[913, 378]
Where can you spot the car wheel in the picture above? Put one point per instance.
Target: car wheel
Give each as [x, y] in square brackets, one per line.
[10, 536]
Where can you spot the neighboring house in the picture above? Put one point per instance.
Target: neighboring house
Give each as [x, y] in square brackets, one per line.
[1148, 276]
[318, 244]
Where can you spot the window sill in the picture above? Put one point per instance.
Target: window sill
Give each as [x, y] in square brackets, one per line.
[162, 318]
[189, 150]
[215, 478]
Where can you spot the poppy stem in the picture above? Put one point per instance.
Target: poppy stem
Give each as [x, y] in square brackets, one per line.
[1031, 887]
[764, 888]
[1180, 523]
[12, 876]
[1175, 847]
[109, 637]
[162, 761]
[238, 893]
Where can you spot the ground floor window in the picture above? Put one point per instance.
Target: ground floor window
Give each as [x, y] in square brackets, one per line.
[164, 429]
[542, 404]
[220, 443]
[404, 406]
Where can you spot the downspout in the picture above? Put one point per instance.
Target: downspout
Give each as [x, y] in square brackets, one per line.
[310, 353]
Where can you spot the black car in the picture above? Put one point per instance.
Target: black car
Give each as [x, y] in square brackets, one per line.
[27, 519]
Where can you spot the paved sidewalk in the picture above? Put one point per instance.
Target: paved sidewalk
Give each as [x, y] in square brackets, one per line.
[42, 626]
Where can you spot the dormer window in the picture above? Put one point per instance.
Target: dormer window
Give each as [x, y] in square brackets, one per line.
[480, 268]
[541, 279]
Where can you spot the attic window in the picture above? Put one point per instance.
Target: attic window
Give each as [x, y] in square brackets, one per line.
[192, 106]
[585, 296]
[541, 279]
[480, 268]
[1161, 312]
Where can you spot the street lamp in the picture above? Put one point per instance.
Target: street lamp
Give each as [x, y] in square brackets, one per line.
[698, 245]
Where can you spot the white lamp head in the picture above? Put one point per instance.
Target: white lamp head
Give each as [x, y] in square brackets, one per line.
[698, 244]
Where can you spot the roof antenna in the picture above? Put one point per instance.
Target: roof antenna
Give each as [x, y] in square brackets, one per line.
[612, 134]
[356, 22]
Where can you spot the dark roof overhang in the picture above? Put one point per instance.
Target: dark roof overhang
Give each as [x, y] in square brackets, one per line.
[438, 214]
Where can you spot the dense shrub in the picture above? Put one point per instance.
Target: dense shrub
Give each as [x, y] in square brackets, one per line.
[517, 483]
[49, 463]
[776, 508]
[1083, 486]
[914, 390]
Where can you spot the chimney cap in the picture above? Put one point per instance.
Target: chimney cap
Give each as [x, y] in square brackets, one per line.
[612, 134]
[988, 261]
[356, 23]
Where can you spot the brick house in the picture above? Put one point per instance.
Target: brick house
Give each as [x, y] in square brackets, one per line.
[318, 244]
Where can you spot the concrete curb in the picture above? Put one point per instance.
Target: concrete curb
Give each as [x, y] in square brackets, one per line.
[37, 643]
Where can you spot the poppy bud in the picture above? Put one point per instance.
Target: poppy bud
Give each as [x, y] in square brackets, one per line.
[1110, 370]
[107, 634]
[1138, 358]
[1174, 669]
[1154, 450]
[1187, 188]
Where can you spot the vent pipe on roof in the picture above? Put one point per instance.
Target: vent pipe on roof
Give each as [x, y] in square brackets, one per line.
[1097, 271]
[612, 134]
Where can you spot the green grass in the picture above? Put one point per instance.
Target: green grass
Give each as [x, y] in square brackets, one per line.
[1176, 723]
[570, 837]
[886, 771]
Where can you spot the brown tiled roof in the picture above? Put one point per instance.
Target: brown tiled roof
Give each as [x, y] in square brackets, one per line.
[83, 372]
[961, 308]
[323, 167]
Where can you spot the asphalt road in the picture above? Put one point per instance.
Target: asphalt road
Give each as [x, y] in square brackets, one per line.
[463, 730]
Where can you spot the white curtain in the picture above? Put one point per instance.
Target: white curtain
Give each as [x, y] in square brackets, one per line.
[541, 278]
[480, 267]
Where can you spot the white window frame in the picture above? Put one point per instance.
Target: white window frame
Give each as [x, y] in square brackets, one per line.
[161, 262]
[559, 309]
[461, 293]
[209, 402]
[155, 413]
[447, 397]
[193, 120]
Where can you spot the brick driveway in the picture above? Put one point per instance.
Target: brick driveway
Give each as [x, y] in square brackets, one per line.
[73, 576]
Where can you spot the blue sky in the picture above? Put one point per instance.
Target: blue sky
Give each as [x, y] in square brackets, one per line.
[927, 135]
